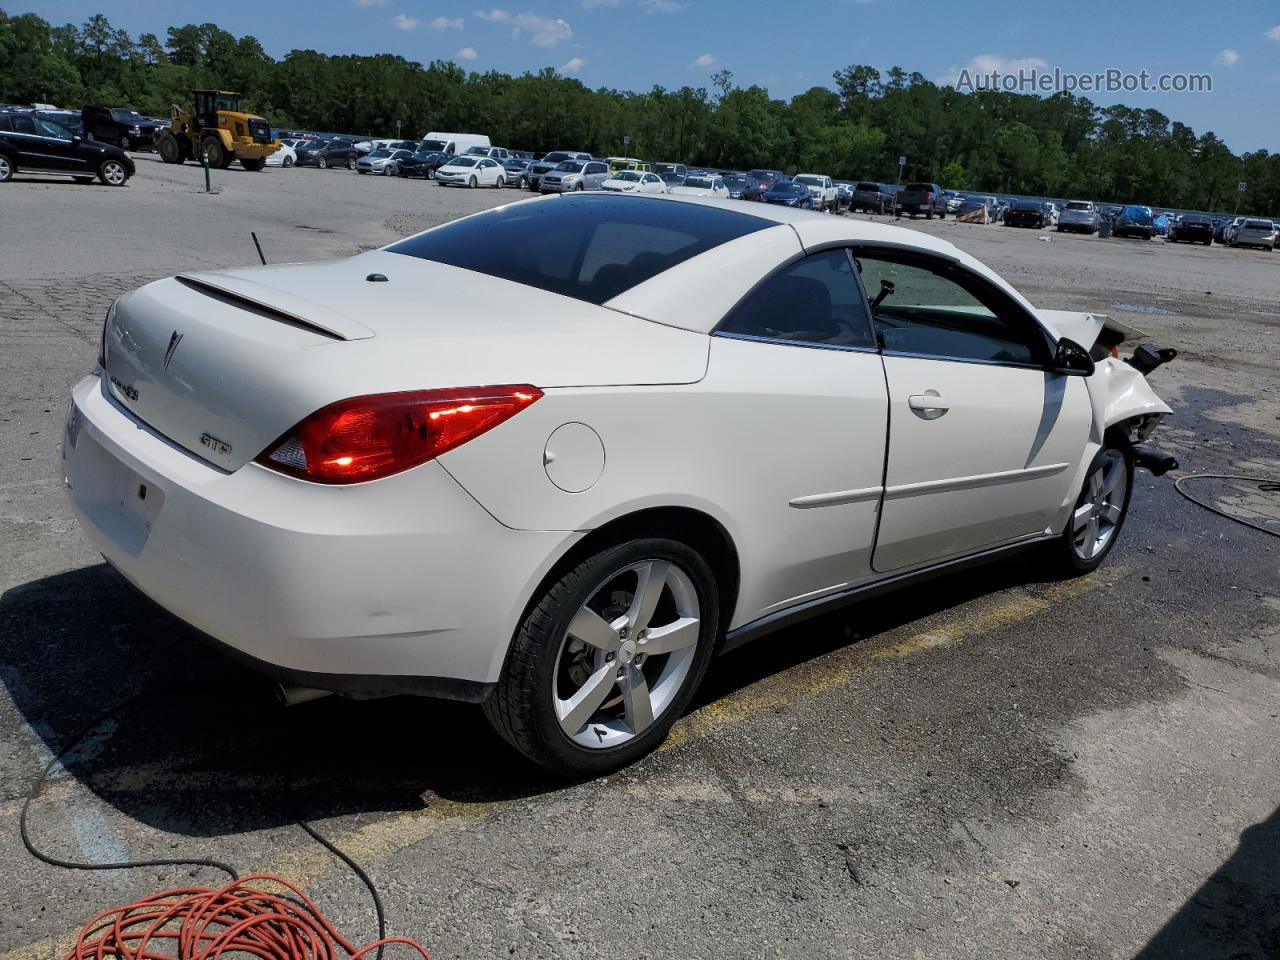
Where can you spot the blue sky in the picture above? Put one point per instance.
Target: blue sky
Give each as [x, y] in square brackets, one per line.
[633, 44]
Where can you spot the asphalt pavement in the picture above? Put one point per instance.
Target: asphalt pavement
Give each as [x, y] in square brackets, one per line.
[996, 764]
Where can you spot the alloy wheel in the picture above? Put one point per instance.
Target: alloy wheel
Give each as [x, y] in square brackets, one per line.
[626, 654]
[113, 173]
[6, 171]
[1101, 506]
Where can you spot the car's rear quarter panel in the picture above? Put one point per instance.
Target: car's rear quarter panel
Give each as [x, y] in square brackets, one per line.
[768, 424]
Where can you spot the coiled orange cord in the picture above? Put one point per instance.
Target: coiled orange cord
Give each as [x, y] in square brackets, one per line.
[205, 923]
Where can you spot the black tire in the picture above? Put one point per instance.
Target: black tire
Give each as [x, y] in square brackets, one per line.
[168, 147]
[521, 709]
[501, 182]
[113, 173]
[351, 163]
[253, 165]
[323, 163]
[214, 153]
[287, 162]
[472, 183]
[1063, 552]
[6, 169]
[125, 144]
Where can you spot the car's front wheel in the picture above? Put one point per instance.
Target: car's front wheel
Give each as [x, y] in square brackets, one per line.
[608, 657]
[113, 173]
[1100, 510]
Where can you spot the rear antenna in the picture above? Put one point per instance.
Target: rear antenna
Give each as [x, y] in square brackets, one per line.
[259, 246]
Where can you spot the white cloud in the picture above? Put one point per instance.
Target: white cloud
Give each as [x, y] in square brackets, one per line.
[1273, 33]
[542, 31]
[370, 3]
[985, 64]
[593, 4]
[467, 53]
[442, 24]
[1228, 58]
[661, 6]
[404, 21]
[704, 62]
[573, 65]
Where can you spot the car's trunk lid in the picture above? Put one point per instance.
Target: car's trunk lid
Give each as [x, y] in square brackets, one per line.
[225, 363]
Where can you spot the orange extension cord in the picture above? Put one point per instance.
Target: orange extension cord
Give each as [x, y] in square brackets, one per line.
[204, 924]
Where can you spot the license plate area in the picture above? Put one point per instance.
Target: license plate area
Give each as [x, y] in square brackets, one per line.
[121, 503]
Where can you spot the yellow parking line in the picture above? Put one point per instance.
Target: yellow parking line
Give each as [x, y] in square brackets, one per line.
[382, 838]
[838, 668]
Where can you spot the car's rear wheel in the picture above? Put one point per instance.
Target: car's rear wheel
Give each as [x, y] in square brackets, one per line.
[6, 169]
[1099, 514]
[113, 173]
[125, 143]
[500, 183]
[351, 163]
[608, 657]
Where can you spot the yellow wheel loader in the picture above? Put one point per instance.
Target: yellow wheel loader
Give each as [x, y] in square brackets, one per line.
[219, 131]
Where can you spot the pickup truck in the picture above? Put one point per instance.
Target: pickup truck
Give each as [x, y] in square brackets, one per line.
[821, 188]
[926, 198]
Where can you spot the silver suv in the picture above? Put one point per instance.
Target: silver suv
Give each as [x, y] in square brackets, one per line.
[548, 163]
[574, 175]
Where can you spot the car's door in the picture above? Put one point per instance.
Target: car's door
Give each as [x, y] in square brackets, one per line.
[596, 174]
[983, 437]
[37, 148]
[488, 171]
[797, 359]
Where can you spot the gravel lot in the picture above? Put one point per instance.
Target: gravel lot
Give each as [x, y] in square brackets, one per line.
[993, 765]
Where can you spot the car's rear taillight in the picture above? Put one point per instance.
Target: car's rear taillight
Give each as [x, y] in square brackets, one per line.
[365, 438]
[102, 341]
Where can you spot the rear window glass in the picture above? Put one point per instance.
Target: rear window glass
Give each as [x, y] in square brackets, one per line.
[868, 187]
[919, 187]
[589, 247]
[1258, 224]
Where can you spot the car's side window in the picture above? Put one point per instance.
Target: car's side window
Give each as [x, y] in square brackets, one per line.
[23, 124]
[937, 310]
[815, 300]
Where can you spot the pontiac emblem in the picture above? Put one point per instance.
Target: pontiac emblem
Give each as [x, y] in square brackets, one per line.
[174, 339]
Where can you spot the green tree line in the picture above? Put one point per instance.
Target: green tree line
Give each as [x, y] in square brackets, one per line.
[1060, 145]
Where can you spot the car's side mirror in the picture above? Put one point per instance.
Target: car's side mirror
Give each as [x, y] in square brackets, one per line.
[1072, 360]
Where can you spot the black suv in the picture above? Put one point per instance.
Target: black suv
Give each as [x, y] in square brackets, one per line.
[125, 128]
[30, 143]
[331, 153]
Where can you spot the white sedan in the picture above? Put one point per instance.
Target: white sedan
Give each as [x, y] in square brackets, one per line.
[286, 156]
[472, 172]
[700, 186]
[552, 456]
[634, 181]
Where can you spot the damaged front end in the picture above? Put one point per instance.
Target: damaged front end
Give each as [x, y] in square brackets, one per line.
[1121, 396]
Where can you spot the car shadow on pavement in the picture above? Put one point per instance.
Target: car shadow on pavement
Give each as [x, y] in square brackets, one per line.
[1235, 914]
[193, 730]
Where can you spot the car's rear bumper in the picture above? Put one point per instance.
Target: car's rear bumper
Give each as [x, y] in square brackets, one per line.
[401, 585]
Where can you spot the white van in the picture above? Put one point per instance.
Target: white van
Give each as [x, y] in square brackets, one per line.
[458, 143]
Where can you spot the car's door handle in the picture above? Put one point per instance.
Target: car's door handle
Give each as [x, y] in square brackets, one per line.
[929, 403]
